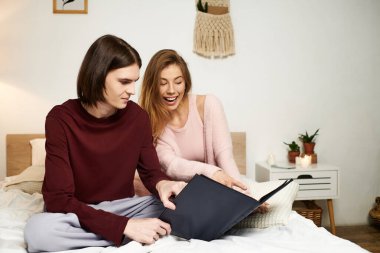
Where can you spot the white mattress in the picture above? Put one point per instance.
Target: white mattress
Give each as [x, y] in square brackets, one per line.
[299, 235]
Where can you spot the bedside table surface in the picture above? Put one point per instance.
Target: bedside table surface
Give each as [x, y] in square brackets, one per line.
[298, 168]
[318, 181]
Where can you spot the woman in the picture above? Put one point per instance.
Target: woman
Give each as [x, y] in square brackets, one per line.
[190, 131]
[93, 146]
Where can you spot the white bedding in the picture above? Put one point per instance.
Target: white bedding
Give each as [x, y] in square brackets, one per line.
[299, 235]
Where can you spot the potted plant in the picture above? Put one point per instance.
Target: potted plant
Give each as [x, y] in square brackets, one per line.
[308, 142]
[202, 8]
[294, 151]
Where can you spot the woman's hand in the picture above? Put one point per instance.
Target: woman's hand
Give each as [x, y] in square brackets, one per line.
[221, 177]
[146, 230]
[263, 208]
[167, 188]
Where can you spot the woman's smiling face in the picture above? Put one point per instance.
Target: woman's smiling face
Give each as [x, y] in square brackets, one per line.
[172, 86]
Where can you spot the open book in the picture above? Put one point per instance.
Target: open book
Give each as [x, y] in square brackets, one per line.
[206, 209]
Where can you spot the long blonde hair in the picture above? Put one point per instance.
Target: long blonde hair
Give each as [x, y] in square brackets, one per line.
[150, 97]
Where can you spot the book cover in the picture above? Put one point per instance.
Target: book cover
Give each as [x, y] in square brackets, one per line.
[206, 209]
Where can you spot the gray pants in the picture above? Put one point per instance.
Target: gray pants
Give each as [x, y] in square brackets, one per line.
[46, 232]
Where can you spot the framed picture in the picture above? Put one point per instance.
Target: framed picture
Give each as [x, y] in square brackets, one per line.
[70, 6]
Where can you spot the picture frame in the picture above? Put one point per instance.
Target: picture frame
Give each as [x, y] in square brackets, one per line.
[70, 6]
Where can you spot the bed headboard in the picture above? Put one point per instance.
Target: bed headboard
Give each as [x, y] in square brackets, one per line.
[19, 151]
[239, 150]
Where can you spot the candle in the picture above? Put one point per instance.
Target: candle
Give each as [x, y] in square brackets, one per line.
[271, 159]
[305, 161]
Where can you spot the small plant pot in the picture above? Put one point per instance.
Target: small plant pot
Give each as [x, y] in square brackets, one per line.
[309, 148]
[292, 156]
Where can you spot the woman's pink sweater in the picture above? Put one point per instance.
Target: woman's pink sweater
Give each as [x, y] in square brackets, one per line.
[217, 142]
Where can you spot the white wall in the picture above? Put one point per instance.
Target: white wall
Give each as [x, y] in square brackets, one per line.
[299, 65]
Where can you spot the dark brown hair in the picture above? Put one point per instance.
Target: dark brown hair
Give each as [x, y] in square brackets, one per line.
[105, 54]
[150, 89]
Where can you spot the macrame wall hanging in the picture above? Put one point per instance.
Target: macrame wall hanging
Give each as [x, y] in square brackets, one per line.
[213, 32]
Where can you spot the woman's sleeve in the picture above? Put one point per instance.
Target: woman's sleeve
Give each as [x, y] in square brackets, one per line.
[174, 165]
[221, 137]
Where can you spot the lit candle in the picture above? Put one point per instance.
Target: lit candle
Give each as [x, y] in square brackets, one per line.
[305, 161]
[298, 160]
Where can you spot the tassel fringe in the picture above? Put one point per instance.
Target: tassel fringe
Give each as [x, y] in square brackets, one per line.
[213, 35]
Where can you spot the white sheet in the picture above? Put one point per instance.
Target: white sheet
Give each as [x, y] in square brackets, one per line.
[15, 208]
[300, 235]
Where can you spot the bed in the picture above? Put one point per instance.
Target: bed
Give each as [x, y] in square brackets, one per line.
[280, 230]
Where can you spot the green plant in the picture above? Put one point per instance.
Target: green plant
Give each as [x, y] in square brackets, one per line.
[201, 8]
[293, 146]
[305, 138]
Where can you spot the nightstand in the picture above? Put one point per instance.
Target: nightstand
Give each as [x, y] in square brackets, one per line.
[318, 181]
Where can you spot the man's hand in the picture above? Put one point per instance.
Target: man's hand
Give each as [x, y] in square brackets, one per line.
[221, 177]
[167, 188]
[146, 230]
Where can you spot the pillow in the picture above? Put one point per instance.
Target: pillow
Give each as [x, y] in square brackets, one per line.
[280, 204]
[28, 187]
[30, 180]
[38, 151]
